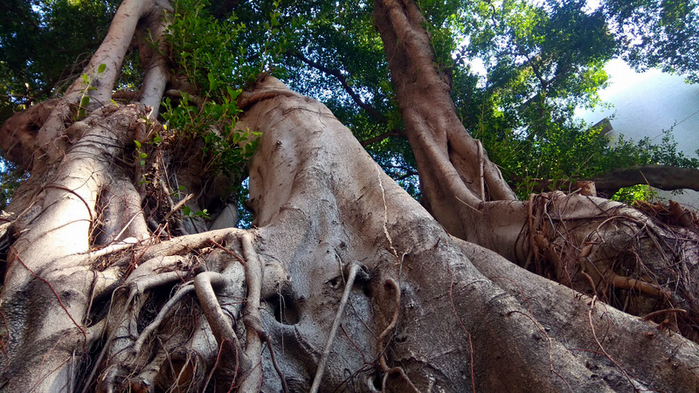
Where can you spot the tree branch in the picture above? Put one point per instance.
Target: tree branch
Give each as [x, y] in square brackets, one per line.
[379, 138]
[343, 81]
[664, 177]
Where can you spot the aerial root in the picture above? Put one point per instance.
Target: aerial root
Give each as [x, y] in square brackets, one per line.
[252, 319]
[354, 267]
[625, 257]
[120, 327]
[647, 288]
[654, 314]
[221, 327]
[146, 379]
[131, 357]
[174, 300]
[388, 371]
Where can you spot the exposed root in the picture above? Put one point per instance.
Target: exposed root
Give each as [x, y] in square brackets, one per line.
[145, 346]
[627, 259]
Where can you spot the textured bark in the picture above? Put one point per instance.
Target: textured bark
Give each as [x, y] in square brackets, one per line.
[458, 181]
[424, 317]
[101, 293]
[592, 245]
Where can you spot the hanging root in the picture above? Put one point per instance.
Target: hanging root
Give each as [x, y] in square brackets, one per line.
[351, 270]
[380, 344]
[160, 342]
[252, 319]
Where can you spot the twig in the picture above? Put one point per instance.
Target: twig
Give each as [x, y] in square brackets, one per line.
[654, 314]
[178, 206]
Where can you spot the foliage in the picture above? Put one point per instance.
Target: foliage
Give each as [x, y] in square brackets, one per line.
[658, 33]
[87, 87]
[10, 178]
[210, 57]
[639, 192]
[542, 60]
[45, 44]
[518, 70]
[569, 153]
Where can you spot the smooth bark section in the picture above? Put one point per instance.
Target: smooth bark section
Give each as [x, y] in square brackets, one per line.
[157, 70]
[112, 50]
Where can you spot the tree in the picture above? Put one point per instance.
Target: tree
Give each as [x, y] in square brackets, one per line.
[345, 282]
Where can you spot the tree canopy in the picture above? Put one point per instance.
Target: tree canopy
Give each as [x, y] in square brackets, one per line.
[517, 70]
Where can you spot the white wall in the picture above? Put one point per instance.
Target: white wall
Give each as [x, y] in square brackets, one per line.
[645, 104]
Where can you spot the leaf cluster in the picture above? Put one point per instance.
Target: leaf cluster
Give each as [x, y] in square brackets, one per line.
[44, 46]
[209, 55]
[657, 33]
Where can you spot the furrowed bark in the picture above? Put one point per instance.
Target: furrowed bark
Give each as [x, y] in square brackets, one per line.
[445, 303]
[191, 313]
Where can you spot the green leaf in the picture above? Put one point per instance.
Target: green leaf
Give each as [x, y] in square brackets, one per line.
[101, 68]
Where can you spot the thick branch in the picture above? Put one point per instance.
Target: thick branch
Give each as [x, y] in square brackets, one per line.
[456, 176]
[659, 176]
[113, 49]
[154, 62]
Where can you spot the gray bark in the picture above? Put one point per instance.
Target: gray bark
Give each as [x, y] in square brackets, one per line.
[99, 296]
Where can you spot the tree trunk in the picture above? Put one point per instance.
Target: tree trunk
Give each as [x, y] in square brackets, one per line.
[592, 245]
[346, 283]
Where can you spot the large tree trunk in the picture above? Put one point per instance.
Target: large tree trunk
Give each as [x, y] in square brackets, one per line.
[420, 314]
[590, 244]
[346, 283]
